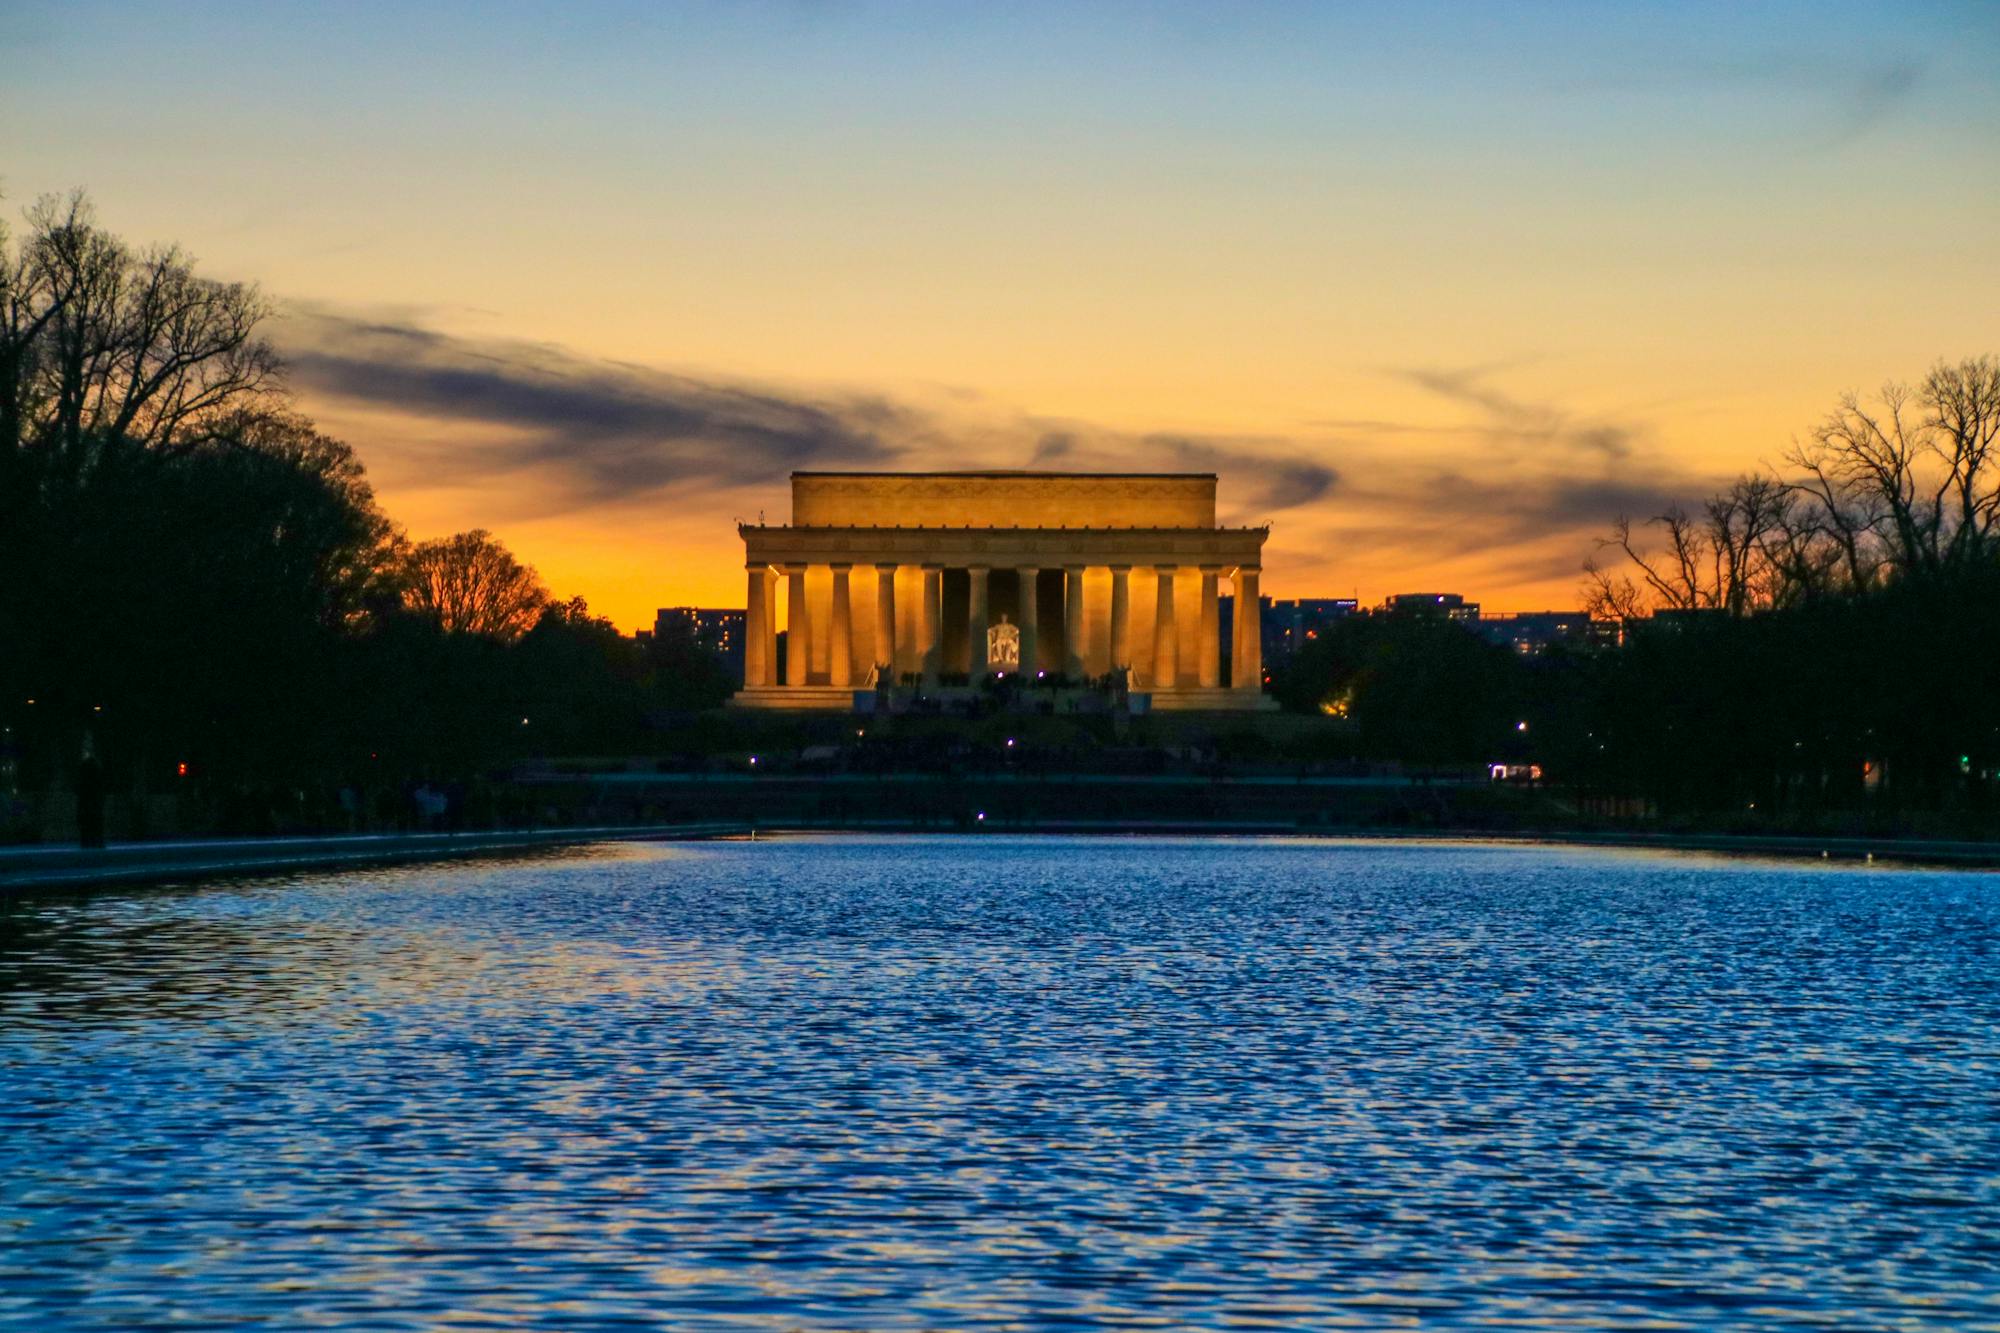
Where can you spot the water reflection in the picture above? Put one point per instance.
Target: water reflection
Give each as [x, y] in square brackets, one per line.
[955, 1083]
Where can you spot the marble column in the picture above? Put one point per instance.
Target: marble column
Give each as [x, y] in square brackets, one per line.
[1073, 621]
[840, 653]
[976, 616]
[1209, 669]
[1247, 664]
[1166, 635]
[798, 629]
[885, 621]
[1121, 617]
[1030, 621]
[760, 630]
[932, 634]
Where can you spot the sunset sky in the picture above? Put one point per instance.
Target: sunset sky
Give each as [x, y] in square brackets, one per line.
[1437, 289]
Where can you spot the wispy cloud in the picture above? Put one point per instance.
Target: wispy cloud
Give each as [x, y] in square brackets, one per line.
[1264, 474]
[596, 430]
[1839, 99]
[1516, 486]
[1519, 487]
[1506, 420]
[1877, 93]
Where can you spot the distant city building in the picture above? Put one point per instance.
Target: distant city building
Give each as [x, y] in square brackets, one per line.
[1291, 625]
[1448, 605]
[1532, 633]
[708, 629]
[1678, 618]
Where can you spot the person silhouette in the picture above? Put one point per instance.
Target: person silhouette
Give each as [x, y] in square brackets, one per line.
[90, 795]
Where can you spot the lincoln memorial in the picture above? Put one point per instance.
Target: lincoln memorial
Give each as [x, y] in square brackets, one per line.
[933, 576]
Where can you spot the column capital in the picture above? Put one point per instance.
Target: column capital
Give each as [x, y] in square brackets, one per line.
[1120, 569]
[933, 567]
[758, 566]
[887, 567]
[841, 566]
[794, 568]
[979, 569]
[1166, 569]
[1027, 569]
[1211, 569]
[1252, 570]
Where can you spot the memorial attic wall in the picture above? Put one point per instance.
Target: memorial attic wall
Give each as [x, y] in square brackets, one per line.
[1003, 500]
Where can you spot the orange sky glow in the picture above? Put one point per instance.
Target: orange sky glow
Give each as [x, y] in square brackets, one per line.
[1437, 292]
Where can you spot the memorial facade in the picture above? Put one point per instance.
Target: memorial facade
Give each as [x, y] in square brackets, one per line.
[940, 576]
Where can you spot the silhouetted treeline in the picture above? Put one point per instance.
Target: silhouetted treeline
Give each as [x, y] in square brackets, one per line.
[1902, 488]
[1821, 643]
[200, 586]
[1419, 689]
[1881, 703]
[1871, 706]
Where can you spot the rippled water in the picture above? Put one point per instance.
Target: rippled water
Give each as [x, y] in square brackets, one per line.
[858, 1083]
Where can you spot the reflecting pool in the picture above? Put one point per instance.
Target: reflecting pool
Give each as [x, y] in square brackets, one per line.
[858, 1083]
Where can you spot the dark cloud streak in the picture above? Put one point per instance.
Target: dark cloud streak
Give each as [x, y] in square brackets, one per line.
[604, 431]
[1259, 475]
[1523, 485]
[1510, 420]
[1276, 480]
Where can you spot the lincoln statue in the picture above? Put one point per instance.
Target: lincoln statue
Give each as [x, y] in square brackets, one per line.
[913, 575]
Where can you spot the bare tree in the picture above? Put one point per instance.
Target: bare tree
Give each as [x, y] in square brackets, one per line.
[1908, 485]
[1716, 559]
[102, 347]
[474, 585]
[1962, 415]
[1609, 595]
[1904, 486]
[1839, 534]
[1863, 463]
[27, 306]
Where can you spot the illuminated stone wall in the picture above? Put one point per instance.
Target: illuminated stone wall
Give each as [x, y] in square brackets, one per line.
[1122, 570]
[1003, 500]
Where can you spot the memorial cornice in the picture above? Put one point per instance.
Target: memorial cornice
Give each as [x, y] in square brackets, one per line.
[1001, 547]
